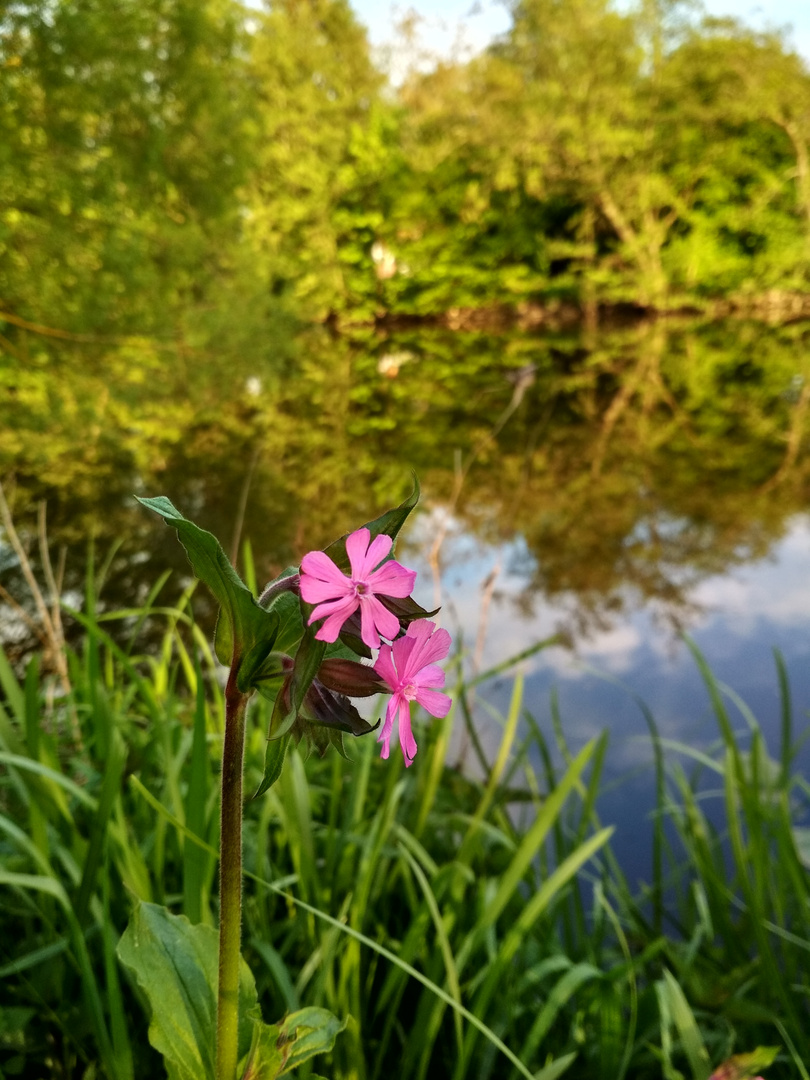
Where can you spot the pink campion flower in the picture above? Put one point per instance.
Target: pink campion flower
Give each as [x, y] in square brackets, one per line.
[409, 668]
[338, 595]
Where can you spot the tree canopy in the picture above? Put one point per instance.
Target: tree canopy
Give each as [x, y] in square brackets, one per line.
[174, 169]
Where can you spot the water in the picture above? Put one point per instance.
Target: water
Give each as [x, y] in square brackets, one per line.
[737, 620]
[618, 489]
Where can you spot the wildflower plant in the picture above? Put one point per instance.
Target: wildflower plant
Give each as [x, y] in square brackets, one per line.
[302, 643]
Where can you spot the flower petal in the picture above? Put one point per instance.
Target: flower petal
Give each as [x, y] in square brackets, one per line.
[403, 649]
[384, 666]
[392, 579]
[387, 623]
[368, 629]
[406, 739]
[429, 677]
[346, 604]
[330, 631]
[385, 732]
[378, 549]
[430, 646]
[356, 548]
[315, 590]
[340, 611]
[436, 704]
[320, 566]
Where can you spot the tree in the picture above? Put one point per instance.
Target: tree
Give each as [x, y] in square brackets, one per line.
[122, 142]
[587, 116]
[317, 89]
[736, 117]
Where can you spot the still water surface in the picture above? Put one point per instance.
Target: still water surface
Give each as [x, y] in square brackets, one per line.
[619, 489]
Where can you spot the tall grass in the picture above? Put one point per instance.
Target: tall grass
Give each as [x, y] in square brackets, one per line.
[471, 929]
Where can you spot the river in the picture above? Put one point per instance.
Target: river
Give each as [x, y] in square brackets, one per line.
[618, 488]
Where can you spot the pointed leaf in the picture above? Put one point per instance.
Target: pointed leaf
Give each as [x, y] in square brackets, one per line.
[308, 1032]
[252, 669]
[388, 523]
[336, 739]
[355, 644]
[243, 626]
[266, 1060]
[223, 639]
[287, 606]
[273, 763]
[324, 708]
[175, 964]
[279, 1048]
[307, 661]
[406, 608]
[746, 1066]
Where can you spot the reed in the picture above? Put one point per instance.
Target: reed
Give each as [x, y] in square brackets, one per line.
[470, 928]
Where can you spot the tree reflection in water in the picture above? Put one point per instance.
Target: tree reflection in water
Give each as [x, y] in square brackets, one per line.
[631, 465]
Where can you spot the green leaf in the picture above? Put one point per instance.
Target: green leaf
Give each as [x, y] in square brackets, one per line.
[556, 1068]
[801, 838]
[288, 608]
[285, 711]
[307, 661]
[253, 666]
[746, 1066]
[405, 607]
[306, 1033]
[273, 763]
[266, 1060]
[245, 632]
[176, 964]
[279, 1048]
[684, 1020]
[388, 523]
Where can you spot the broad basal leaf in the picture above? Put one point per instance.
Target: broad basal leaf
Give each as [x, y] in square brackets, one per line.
[175, 964]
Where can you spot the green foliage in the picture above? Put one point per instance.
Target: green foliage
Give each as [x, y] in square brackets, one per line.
[246, 632]
[675, 438]
[123, 135]
[177, 181]
[488, 917]
[175, 965]
[316, 88]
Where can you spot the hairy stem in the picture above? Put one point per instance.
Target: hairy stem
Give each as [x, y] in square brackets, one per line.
[230, 881]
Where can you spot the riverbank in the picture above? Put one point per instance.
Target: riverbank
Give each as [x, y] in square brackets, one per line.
[502, 893]
[776, 307]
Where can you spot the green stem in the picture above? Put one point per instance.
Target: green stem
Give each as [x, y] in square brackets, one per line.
[230, 881]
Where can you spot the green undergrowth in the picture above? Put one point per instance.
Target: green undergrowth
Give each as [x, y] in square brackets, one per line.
[467, 928]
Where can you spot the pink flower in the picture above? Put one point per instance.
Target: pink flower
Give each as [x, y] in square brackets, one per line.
[338, 596]
[408, 666]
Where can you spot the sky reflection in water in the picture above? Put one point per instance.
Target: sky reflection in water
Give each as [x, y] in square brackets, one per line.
[737, 619]
[621, 488]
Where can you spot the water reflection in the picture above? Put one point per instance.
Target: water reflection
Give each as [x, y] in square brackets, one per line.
[607, 474]
[615, 489]
[737, 618]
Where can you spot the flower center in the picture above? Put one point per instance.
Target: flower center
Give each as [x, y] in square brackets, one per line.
[409, 692]
[361, 589]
